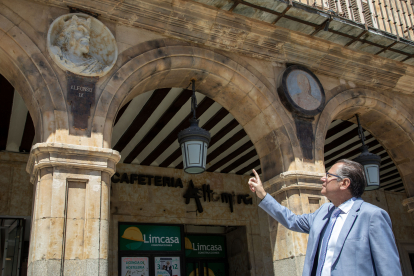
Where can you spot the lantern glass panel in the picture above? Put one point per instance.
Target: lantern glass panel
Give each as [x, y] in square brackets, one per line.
[194, 153]
[194, 156]
[372, 176]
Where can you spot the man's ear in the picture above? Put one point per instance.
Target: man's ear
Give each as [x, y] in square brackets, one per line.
[346, 182]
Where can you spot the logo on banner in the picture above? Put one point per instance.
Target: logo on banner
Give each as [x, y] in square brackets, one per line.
[134, 233]
[201, 248]
[188, 246]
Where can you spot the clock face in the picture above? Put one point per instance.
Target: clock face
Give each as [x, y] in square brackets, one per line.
[304, 90]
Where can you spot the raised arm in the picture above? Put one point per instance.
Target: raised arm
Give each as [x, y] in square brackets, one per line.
[299, 223]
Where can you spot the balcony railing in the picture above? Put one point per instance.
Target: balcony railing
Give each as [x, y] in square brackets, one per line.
[378, 27]
[392, 16]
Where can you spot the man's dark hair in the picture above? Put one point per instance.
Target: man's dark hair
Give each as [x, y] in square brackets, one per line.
[355, 172]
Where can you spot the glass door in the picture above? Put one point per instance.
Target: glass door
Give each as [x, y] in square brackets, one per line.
[11, 240]
[205, 268]
[192, 268]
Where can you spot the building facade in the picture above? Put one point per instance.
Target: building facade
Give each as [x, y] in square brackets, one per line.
[92, 180]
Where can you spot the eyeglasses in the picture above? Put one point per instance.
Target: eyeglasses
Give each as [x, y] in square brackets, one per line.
[331, 174]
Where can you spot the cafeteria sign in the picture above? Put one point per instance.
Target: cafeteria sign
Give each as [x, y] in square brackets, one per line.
[149, 237]
[197, 246]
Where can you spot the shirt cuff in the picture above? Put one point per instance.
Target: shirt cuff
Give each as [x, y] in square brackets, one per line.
[263, 199]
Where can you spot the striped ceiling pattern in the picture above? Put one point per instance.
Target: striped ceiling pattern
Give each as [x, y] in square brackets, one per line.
[146, 129]
[145, 132]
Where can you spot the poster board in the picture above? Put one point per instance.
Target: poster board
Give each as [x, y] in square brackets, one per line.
[134, 266]
[167, 266]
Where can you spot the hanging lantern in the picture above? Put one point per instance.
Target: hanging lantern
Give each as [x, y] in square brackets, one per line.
[370, 161]
[194, 142]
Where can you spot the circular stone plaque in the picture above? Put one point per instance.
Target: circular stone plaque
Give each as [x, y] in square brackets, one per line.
[81, 44]
[301, 92]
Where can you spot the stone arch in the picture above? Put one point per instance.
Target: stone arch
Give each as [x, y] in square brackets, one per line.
[226, 78]
[387, 119]
[25, 66]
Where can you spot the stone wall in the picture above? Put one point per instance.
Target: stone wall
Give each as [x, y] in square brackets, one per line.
[159, 204]
[16, 191]
[402, 221]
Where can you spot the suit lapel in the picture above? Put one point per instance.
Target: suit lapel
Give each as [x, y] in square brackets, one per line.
[349, 222]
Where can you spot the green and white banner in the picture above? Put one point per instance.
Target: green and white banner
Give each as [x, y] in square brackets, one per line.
[149, 237]
[206, 246]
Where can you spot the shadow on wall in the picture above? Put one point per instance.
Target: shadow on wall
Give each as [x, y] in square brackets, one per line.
[237, 254]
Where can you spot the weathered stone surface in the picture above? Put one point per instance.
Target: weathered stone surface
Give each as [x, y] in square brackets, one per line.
[82, 45]
[45, 267]
[72, 201]
[290, 266]
[16, 192]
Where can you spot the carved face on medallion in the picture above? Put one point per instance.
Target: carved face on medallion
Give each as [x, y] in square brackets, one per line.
[82, 45]
[301, 92]
[304, 90]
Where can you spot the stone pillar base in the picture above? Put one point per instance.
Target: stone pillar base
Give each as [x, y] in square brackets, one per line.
[71, 267]
[299, 191]
[44, 268]
[291, 266]
[70, 220]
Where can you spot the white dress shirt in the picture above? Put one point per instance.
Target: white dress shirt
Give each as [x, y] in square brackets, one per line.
[345, 208]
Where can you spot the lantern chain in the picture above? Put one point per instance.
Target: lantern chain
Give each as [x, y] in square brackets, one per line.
[360, 131]
[193, 101]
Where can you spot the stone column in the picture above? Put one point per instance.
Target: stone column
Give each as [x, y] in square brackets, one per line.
[300, 192]
[70, 221]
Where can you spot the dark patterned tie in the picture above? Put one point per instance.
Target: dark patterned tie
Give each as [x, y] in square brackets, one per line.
[326, 237]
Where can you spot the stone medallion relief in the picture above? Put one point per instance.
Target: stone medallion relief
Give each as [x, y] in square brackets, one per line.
[86, 50]
[304, 90]
[301, 93]
[81, 44]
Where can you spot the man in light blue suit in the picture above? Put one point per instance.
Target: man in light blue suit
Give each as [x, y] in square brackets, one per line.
[347, 236]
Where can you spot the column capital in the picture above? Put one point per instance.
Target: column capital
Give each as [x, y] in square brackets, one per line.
[409, 202]
[45, 155]
[293, 180]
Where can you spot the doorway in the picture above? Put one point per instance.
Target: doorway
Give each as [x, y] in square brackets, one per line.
[206, 267]
[13, 246]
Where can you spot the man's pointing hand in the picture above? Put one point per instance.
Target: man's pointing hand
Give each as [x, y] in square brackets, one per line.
[256, 185]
